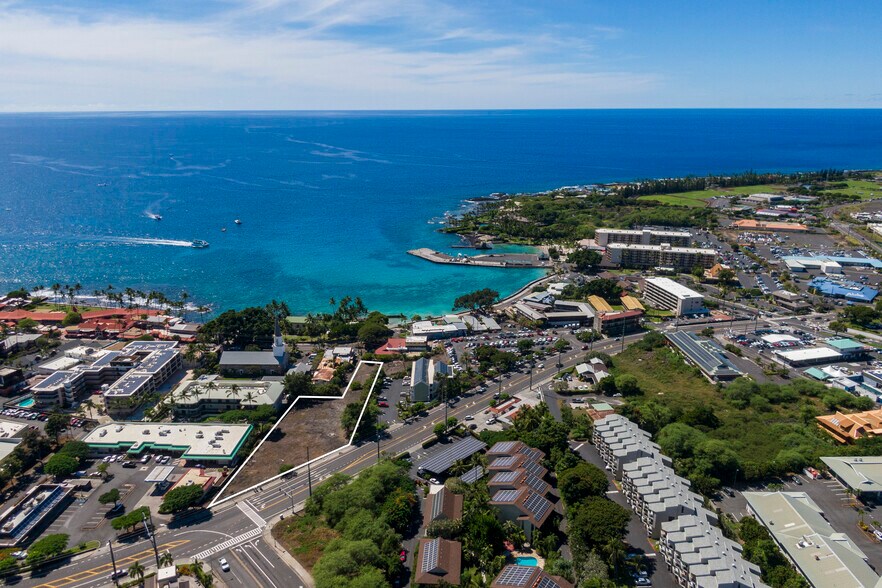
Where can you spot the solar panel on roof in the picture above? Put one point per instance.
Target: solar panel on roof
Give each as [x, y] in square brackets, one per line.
[438, 503]
[536, 484]
[536, 504]
[534, 468]
[430, 556]
[503, 446]
[473, 475]
[504, 477]
[532, 453]
[547, 582]
[506, 495]
[458, 450]
[515, 575]
[503, 462]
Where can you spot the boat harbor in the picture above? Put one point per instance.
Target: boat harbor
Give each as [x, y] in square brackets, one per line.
[505, 260]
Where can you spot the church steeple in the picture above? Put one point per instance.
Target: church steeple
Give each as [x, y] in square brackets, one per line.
[279, 350]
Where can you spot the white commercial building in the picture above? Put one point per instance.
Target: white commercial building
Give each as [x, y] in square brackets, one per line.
[200, 442]
[810, 356]
[823, 555]
[667, 294]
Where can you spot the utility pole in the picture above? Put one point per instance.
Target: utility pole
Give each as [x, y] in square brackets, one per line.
[152, 539]
[623, 335]
[291, 496]
[308, 471]
[378, 446]
[113, 562]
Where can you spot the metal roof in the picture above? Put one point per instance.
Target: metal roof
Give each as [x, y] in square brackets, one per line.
[159, 474]
[704, 353]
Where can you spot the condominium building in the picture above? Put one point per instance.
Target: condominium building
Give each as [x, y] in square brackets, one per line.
[658, 495]
[694, 549]
[667, 294]
[138, 369]
[664, 255]
[699, 556]
[619, 441]
[425, 379]
[604, 237]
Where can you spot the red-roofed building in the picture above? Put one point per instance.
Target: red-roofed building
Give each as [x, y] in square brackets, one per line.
[618, 323]
[393, 346]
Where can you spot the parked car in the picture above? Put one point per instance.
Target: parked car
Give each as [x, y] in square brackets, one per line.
[224, 565]
[403, 555]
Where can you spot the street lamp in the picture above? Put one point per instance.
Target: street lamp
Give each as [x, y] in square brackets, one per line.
[113, 563]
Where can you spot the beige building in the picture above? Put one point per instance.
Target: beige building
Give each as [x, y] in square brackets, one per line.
[664, 255]
[604, 237]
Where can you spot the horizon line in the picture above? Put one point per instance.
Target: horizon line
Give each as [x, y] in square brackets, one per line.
[435, 110]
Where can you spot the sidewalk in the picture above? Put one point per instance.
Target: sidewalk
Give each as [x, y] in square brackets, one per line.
[287, 557]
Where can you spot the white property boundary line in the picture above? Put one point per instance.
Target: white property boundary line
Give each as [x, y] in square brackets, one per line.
[217, 499]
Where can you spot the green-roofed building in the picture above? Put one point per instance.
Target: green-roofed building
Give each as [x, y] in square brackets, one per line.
[817, 374]
[847, 347]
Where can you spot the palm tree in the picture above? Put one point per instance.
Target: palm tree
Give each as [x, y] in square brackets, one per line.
[136, 570]
[90, 405]
[615, 554]
[248, 397]
[166, 559]
[458, 468]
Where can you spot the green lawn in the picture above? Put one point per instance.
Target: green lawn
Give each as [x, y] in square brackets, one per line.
[697, 198]
[864, 189]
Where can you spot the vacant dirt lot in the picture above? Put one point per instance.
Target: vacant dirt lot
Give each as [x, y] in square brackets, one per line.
[311, 422]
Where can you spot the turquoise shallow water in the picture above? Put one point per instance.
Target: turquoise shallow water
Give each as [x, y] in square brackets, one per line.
[330, 202]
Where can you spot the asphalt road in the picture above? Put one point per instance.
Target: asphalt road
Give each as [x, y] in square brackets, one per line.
[233, 529]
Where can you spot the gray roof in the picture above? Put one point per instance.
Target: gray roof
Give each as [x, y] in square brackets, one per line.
[248, 358]
[860, 473]
[13, 340]
[709, 357]
[825, 557]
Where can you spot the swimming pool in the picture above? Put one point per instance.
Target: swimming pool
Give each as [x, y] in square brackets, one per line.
[527, 561]
[26, 403]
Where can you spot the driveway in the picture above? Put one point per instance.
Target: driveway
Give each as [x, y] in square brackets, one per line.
[636, 536]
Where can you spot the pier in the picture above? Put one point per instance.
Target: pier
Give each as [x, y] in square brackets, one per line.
[506, 260]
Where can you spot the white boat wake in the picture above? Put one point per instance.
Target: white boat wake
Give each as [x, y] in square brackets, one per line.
[149, 241]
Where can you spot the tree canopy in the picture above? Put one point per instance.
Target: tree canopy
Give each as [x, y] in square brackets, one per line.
[584, 260]
[181, 498]
[61, 465]
[478, 300]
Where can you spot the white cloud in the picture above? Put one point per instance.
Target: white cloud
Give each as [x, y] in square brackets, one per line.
[55, 61]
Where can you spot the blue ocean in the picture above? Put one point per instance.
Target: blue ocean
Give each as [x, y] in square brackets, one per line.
[331, 201]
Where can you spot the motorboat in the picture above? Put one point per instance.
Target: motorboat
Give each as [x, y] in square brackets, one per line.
[199, 244]
[237, 221]
[154, 216]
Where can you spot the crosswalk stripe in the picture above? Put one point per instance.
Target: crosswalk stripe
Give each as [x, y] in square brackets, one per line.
[246, 508]
[248, 535]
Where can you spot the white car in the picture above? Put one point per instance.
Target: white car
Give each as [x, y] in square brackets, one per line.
[223, 564]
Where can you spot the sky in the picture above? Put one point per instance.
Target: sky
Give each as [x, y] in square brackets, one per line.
[133, 55]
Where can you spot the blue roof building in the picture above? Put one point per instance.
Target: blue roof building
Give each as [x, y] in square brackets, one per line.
[843, 289]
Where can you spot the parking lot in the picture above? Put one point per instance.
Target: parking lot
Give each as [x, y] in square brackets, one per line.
[86, 518]
[830, 496]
